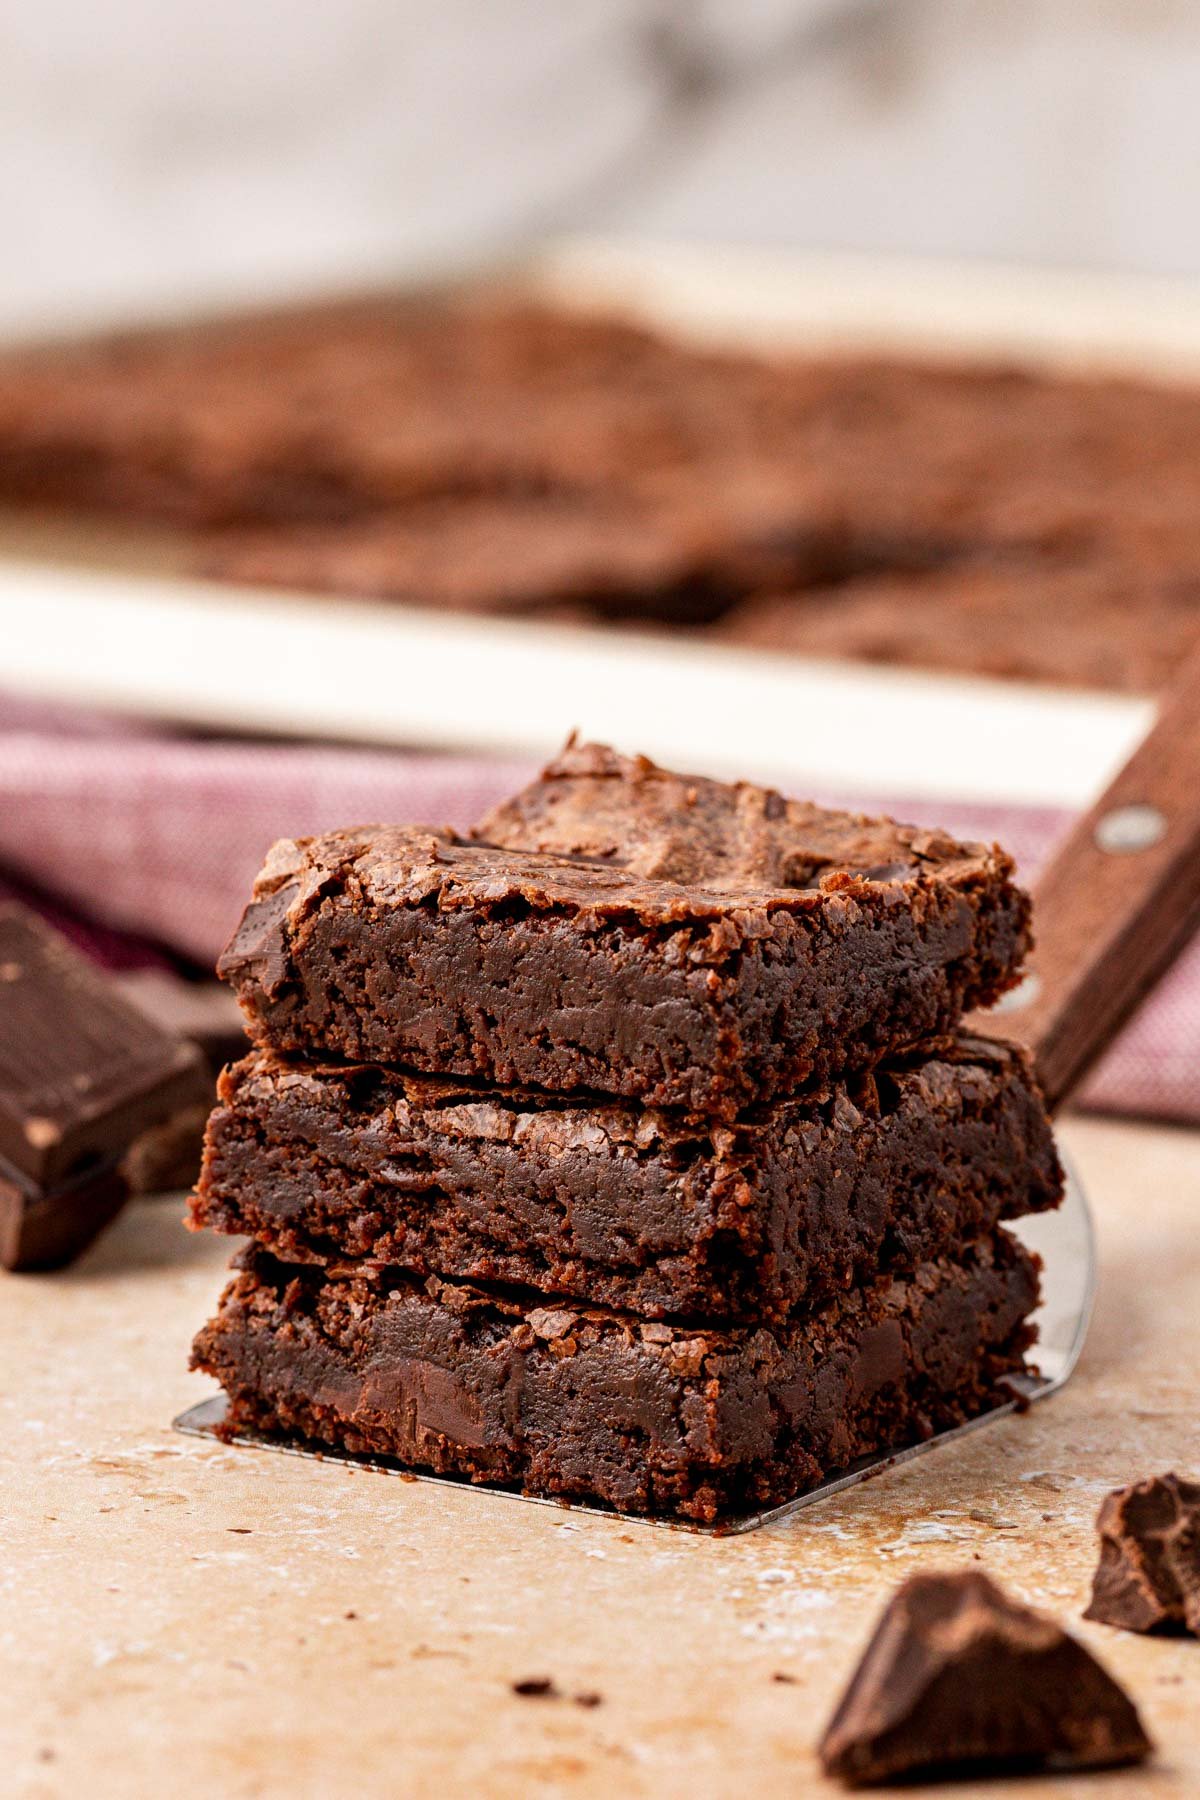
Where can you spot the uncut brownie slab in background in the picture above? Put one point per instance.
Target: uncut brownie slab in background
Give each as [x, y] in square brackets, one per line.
[488, 454]
[620, 929]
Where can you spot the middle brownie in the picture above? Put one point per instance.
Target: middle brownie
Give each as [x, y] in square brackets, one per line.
[632, 1208]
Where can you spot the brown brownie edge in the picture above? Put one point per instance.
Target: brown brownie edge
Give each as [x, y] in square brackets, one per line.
[629, 1207]
[584, 1404]
[682, 975]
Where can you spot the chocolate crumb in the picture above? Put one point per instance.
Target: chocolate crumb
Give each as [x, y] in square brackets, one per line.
[1148, 1577]
[588, 1699]
[788, 1680]
[536, 1687]
[958, 1677]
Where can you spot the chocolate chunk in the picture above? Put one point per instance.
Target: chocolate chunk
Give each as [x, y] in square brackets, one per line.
[958, 1678]
[1148, 1578]
[47, 1230]
[257, 951]
[205, 1012]
[86, 1080]
[166, 1157]
[82, 1073]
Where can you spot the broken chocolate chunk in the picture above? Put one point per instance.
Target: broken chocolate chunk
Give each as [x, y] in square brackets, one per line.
[959, 1678]
[202, 1011]
[84, 1077]
[1148, 1577]
[166, 1157]
[82, 1073]
[48, 1230]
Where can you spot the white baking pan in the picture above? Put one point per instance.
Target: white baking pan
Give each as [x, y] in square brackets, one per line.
[116, 632]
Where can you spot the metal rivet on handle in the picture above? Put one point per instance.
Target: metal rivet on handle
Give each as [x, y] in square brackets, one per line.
[1130, 828]
[1024, 994]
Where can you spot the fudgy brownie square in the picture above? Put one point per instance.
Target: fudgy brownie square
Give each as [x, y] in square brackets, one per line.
[626, 1206]
[478, 449]
[624, 930]
[581, 1403]
[1095, 622]
[661, 551]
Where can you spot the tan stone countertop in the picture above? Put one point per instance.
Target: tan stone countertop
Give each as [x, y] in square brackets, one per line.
[181, 1619]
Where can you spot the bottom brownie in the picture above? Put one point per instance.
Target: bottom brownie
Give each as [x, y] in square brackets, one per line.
[592, 1405]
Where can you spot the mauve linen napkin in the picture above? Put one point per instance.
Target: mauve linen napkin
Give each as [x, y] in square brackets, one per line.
[152, 839]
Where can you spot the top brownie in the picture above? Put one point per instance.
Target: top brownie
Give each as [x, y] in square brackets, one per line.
[620, 929]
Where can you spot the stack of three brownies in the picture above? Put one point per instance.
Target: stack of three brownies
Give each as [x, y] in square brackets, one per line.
[629, 1149]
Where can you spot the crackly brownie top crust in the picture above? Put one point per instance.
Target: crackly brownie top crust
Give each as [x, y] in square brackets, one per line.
[732, 839]
[477, 449]
[731, 857]
[609, 836]
[685, 942]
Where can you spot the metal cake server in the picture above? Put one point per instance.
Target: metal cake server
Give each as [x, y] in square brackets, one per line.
[1114, 909]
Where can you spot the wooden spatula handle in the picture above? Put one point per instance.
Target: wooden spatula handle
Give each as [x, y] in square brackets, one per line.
[1118, 903]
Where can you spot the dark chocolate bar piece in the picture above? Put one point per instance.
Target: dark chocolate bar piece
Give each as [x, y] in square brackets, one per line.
[204, 1012]
[627, 1206]
[1148, 1578]
[683, 942]
[82, 1072]
[166, 1157]
[40, 1230]
[581, 1403]
[959, 1679]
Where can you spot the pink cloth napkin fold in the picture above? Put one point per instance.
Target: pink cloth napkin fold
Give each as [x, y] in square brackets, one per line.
[156, 837]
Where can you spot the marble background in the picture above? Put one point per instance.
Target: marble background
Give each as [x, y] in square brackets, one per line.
[195, 149]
